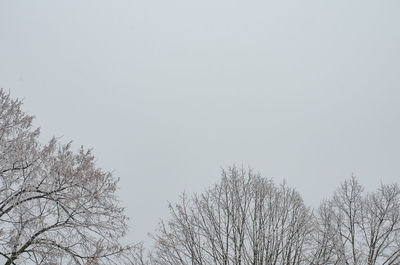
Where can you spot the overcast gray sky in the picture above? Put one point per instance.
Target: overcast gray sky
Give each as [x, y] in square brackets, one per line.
[167, 92]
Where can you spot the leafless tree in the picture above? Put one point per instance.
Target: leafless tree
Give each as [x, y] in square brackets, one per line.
[56, 206]
[355, 227]
[247, 219]
[244, 219]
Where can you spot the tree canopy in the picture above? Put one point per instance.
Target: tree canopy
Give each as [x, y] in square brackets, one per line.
[56, 205]
[247, 219]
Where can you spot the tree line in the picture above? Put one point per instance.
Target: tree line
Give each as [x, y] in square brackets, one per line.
[58, 207]
[248, 219]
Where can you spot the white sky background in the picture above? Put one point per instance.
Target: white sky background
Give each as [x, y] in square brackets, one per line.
[168, 91]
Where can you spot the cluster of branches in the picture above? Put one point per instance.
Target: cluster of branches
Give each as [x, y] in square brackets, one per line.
[56, 206]
[247, 219]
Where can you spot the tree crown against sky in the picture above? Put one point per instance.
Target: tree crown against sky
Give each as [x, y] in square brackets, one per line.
[56, 205]
[247, 219]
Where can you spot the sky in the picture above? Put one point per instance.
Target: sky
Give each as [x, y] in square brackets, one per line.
[168, 92]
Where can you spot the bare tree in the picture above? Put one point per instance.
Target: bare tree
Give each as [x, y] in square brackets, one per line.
[244, 219]
[56, 206]
[355, 227]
